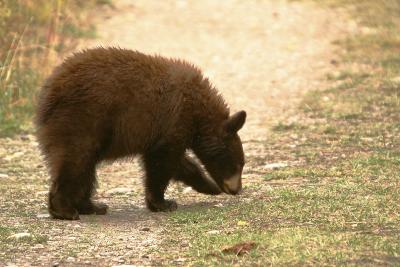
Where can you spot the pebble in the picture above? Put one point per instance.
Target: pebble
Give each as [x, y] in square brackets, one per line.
[13, 156]
[213, 232]
[277, 165]
[38, 246]
[3, 175]
[187, 190]
[43, 216]
[20, 235]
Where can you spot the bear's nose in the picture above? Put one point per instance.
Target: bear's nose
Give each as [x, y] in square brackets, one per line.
[233, 185]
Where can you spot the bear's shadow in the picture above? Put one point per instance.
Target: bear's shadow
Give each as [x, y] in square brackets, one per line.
[140, 213]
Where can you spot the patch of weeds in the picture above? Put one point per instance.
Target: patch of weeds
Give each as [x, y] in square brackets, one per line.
[310, 174]
[330, 130]
[51, 29]
[105, 2]
[356, 78]
[79, 32]
[5, 231]
[282, 127]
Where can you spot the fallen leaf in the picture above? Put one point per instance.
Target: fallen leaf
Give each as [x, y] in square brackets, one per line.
[242, 223]
[240, 248]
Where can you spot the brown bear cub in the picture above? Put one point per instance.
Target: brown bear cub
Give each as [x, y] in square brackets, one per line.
[107, 103]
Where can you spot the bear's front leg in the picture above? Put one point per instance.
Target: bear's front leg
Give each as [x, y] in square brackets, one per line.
[160, 165]
[190, 174]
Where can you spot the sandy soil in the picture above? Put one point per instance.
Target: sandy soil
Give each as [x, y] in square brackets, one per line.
[262, 55]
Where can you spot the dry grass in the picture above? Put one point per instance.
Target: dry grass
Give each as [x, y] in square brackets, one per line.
[33, 36]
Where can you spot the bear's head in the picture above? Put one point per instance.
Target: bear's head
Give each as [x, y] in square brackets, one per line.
[221, 152]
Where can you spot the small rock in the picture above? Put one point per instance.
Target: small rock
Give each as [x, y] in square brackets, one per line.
[34, 143]
[43, 216]
[20, 235]
[125, 265]
[70, 259]
[3, 175]
[213, 232]
[187, 190]
[367, 30]
[277, 165]
[13, 156]
[38, 246]
[268, 188]
[146, 229]
[119, 190]
[184, 244]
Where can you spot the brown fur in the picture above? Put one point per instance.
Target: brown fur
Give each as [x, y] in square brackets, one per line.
[104, 104]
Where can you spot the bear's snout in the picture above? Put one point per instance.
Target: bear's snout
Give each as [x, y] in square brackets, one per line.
[233, 185]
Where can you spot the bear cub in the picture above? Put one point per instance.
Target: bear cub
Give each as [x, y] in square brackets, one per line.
[106, 103]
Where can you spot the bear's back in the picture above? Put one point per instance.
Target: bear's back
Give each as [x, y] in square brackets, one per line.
[133, 97]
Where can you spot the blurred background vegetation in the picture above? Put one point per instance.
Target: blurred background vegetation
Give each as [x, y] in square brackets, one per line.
[34, 36]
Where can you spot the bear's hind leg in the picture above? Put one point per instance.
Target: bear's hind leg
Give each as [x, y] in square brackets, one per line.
[71, 189]
[64, 193]
[86, 205]
[190, 174]
[160, 165]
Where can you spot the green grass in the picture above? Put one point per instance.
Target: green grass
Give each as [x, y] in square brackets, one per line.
[355, 216]
[345, 207]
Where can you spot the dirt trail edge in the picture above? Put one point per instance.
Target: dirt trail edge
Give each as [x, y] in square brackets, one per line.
[262, 56]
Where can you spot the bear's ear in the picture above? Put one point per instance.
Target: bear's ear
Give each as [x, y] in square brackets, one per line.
[235, 122]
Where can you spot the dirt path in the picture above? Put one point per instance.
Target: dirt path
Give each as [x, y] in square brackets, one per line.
[262, 55]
